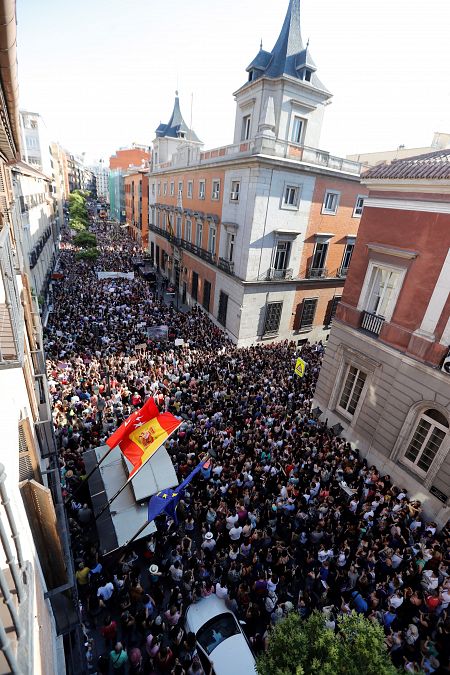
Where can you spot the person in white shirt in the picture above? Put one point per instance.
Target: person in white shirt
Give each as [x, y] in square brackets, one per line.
[235, 533]
[232, 520]
[221, 589]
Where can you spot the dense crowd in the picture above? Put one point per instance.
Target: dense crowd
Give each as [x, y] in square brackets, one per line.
[288, 518]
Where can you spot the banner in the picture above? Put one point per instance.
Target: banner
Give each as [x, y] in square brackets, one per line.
[116, 275]
[158, 332]
[300, 367]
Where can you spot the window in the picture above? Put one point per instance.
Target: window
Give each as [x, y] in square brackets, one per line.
[165, 189]
[172, 189]
[352, 389]
[348, 252]
[163, 260]
[308, 313]
[180, 188]
[297, 130]
[212, 239]
[319, 257]
[188, 230]
[331, 310]
[153, 189]
[427, 438]
[230, 246]
[359, 206]
[291, 193]
[215, 189]
[199, 235]
[159, 189]
[190, 189]
[201, 189]
[223, 307]
[381, 297]
[206, 294]
[246, 121]
[194, 292]
[273, 317]
[179, 227]
[331, 202]
[281, 257]
[235, 190]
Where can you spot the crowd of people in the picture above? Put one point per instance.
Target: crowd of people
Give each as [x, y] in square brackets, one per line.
[287, 518]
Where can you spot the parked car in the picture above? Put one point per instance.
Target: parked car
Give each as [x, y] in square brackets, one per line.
[220, 639]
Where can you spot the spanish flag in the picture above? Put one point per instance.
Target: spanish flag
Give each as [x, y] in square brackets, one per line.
[142, 434]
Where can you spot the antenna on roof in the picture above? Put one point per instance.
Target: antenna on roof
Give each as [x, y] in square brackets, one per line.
[307, 44]
[192, 107]
[261, 45]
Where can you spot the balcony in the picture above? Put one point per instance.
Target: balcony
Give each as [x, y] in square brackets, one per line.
[226, 266]
[342, 272]
[210, 258]
[273, 274]
[372, 323]
[317, 273]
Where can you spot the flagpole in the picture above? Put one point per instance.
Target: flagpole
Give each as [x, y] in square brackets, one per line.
[135, 474]
[209, 455]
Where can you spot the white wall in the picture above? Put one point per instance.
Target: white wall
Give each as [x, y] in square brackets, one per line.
[259, 215]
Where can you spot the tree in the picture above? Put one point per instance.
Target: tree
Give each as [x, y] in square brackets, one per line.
[77, 226]
[298, 647]
[89, 254]
[85, 240]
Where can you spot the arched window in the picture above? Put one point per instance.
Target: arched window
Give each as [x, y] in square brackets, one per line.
[429, 434]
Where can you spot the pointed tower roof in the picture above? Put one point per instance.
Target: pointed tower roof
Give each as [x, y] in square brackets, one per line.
[176, 127]
[289, 56]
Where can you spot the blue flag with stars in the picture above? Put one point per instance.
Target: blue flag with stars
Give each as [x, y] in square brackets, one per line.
[166, 501]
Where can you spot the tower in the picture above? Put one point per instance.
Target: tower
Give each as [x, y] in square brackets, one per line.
[173, 136]
[283, 96]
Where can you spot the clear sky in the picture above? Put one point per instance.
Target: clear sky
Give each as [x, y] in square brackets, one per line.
[103, 73]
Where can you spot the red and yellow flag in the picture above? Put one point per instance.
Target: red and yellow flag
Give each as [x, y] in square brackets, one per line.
[142, 434]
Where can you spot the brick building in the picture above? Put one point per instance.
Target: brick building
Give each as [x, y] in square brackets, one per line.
[259, 232]
[137, 156]
[385, 378]
[136, 204]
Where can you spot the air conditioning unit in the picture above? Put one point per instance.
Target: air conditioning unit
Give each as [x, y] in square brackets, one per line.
[234, 196]
[446, 364]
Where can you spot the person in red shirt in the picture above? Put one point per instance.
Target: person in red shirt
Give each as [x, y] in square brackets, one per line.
[109, 631]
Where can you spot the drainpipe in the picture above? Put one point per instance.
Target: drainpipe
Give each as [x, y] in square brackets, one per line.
[8, 67]
[7, 548]
[5, 646]
[6, 503]
[8, 600]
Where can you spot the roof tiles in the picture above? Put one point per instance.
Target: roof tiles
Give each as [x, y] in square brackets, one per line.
[432, 166]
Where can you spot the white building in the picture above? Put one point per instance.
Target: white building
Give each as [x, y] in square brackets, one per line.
[229, 226]
[35, 224]
[101, 173]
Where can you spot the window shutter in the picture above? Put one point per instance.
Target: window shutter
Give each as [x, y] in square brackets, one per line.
[28, 459]
[41, 515]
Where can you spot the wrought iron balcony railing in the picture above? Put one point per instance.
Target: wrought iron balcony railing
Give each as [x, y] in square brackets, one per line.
[317, 273]
[372, 323]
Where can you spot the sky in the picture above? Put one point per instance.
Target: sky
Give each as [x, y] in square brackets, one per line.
[103, 73]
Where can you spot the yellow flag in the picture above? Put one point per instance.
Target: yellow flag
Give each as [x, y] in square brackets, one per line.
[300, 367]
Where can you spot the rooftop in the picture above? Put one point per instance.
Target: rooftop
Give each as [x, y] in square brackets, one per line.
[432, 166]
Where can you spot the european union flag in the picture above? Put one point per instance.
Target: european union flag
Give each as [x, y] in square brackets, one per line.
[166, 501]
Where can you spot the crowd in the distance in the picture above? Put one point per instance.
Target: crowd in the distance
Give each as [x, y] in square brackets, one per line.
[288, 518]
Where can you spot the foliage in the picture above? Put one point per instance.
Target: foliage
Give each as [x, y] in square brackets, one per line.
[299, 647]
[90, 254]
[78, 226]
[85, 240]
[77, 207]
